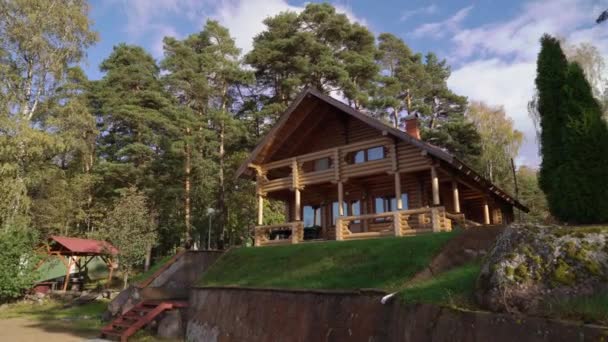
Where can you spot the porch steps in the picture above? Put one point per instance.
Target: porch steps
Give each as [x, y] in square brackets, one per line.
[127, 324]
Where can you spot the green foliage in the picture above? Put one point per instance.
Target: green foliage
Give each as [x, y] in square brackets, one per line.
[500, 143]
[38, 46]
[328, 265]
[563, 273]
[130, 228]
[532, 196]
[317, 47]
[17, 262]
[454, 288]
[411, 83]
[574, 139]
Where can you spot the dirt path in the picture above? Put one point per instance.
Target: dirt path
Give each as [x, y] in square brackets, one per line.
[31, 330]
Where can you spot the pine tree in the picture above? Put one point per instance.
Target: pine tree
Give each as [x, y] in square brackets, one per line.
[411, 83]
[319, 48]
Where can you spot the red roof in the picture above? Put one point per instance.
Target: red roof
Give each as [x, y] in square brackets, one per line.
[85, 246]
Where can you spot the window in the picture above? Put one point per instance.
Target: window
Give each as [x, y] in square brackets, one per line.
[322, 164]
[359, 157]
[335, 213]
[375, 153]
[370, 154]
[388, 203]
[311, 216]
[355, 209]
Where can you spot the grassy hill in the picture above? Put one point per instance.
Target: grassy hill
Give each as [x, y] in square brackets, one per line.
[376, 263]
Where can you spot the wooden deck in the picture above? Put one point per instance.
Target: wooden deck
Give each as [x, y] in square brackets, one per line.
[397, 223]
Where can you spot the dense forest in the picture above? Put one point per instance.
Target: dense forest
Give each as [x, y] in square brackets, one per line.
[145, 156]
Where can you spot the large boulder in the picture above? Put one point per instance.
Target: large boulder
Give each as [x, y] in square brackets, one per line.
[532, 264]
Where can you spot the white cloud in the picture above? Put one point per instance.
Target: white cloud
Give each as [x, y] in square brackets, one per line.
[496, 62]
[496, 82]
[244, 18]
[439, 29]
[426, 10]
[150, 20]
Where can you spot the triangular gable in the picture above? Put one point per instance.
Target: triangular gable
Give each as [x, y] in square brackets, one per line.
[304, 98]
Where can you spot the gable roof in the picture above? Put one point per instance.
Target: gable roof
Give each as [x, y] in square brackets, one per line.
[77, 246]
[432, 150]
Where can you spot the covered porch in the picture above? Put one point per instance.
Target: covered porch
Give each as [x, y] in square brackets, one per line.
[379, 198]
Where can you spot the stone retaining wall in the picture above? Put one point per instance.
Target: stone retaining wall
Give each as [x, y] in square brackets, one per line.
[229, 314]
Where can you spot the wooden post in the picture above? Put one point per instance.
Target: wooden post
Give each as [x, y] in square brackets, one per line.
[435, 219]
[397, 223]
[340, 199]
[67, 274]
[339, 236]
[295, 231]
[486, 212]
[435, 185]
[456, 197]
[398, 191]
[260, 210]
[297, 215]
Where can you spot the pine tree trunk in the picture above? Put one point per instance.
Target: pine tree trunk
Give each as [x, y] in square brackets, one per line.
[187, 186]
[125, 279]
[148, 258]
[222, 186]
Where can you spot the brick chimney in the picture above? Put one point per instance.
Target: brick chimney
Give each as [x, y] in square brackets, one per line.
[411, 125]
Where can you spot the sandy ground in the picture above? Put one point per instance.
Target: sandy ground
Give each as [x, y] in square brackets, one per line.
[27, 330]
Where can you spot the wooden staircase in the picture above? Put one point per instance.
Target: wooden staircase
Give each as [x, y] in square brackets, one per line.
[141, 314]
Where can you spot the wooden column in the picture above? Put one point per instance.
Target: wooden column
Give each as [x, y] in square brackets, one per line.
[456, 198]
[67, 274]
[435, 185]
[486, 212]
[398, 190]
[297, 205]
[260, 210]
[340, 199]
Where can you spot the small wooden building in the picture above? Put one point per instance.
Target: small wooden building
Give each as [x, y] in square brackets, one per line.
[322, 152]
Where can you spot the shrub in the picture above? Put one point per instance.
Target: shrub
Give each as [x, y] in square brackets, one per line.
[17, 262]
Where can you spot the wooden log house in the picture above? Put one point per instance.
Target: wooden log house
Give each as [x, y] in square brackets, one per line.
[322, 152]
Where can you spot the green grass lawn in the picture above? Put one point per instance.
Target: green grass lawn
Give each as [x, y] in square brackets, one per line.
[84, 320]
[588, 309]
[155, 267]
[375, 263]
[453, 288]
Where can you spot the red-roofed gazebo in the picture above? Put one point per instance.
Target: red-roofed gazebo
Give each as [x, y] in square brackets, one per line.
[79, 252]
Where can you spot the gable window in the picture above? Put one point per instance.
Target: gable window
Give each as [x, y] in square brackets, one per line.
[375, 153]
[370, 154]
[322, 164]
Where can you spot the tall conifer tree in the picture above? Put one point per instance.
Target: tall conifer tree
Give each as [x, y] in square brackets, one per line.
[574, 139]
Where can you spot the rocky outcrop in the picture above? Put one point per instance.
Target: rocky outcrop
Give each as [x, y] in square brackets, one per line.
[531, 265]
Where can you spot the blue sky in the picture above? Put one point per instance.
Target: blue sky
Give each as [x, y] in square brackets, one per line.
[491, 45]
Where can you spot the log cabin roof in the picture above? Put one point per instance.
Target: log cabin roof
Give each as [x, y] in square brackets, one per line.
[305, 102]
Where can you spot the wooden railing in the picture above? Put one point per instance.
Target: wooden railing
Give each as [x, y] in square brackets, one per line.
[340, 169]
[393, 223]
[396, 223]
[457, 218]
[284, 233]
